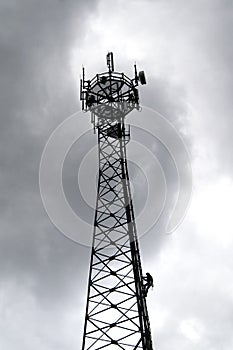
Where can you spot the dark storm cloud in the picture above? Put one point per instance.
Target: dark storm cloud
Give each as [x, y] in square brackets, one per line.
[167, 99]
[37, 91]
[216, 84]
[204, 35]
[35, 42]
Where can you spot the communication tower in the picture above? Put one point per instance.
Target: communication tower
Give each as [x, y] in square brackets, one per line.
[116, 311]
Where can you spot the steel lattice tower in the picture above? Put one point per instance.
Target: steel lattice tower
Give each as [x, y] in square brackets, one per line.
[116, 311]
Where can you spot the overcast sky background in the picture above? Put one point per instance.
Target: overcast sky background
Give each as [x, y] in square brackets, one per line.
[186, 51]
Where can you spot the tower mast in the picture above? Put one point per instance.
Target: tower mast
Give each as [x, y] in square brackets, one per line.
[116, 310]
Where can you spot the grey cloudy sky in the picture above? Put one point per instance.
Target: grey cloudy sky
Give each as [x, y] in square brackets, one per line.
[186, 51]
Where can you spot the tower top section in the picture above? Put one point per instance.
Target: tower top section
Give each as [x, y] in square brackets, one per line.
[110, 87]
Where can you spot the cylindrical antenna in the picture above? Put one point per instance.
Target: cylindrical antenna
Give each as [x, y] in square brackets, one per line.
[110, 62]
[136, 73]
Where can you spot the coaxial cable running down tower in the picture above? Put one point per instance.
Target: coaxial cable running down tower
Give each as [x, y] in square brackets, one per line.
[116, 311]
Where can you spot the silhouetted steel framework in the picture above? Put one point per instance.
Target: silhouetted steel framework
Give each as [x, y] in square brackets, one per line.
[116, 311]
